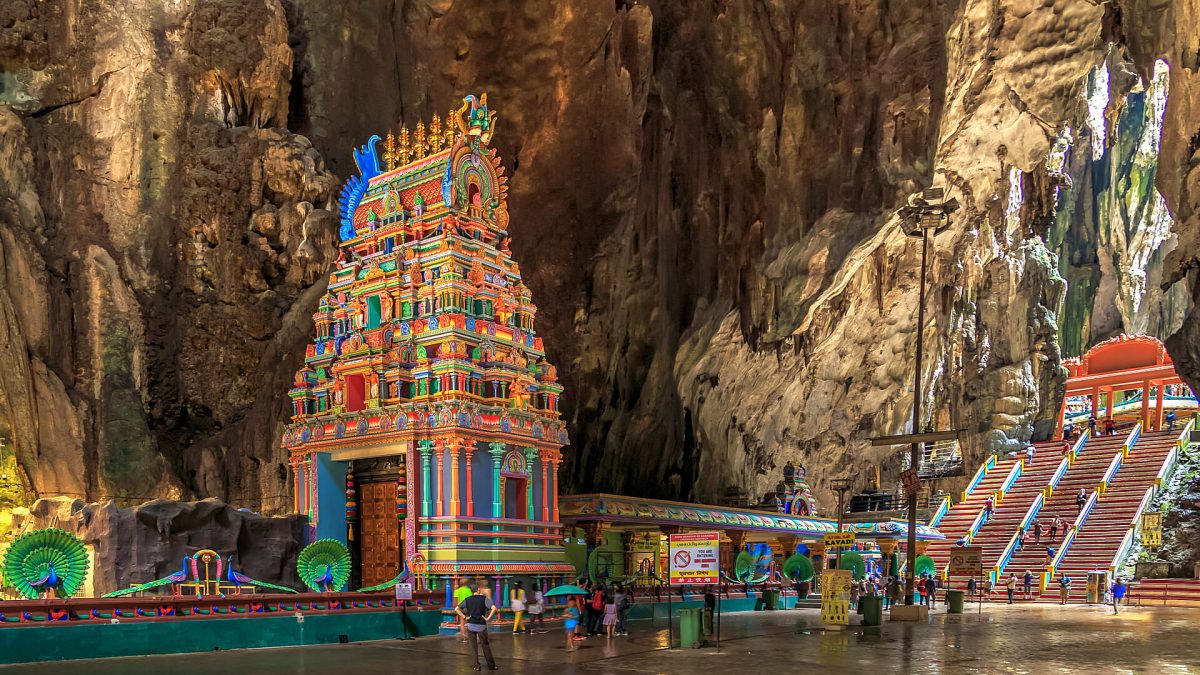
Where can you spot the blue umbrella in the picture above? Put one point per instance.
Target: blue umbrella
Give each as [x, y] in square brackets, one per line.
[567, 589]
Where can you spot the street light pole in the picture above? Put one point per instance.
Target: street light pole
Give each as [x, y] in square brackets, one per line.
[841, 486]
[914, 461]
[925, 211]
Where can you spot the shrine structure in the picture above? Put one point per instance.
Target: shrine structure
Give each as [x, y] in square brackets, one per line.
[425, 428]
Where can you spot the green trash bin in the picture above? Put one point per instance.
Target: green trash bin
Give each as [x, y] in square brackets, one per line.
[871, 608]
[954, 601]
[771, 598]
[689, 627]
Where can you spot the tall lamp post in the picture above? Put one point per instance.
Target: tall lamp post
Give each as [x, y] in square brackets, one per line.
[841, 486]
[927, 212]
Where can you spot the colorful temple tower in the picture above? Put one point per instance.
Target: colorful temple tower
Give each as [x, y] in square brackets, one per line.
[426, 424]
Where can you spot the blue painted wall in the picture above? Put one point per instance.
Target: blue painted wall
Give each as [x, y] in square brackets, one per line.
[331, 498]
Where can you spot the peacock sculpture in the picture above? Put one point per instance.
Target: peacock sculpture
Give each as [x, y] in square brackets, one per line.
[799, 567]
[238, 579]
[324, 565]
[174, 580]
[46, 561]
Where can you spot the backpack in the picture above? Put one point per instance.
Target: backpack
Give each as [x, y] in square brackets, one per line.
[597, 600]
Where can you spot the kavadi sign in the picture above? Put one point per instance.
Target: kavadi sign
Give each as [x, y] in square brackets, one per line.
[695, 558]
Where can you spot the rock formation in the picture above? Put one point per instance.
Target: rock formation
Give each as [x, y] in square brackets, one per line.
[706, 195]
[147, 542]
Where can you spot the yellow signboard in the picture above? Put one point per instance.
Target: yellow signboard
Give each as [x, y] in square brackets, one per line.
[1151, 530]
[835, 596]
[839, 539]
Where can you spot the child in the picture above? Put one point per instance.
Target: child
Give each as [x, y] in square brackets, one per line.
[610, 615]
[571, 623]
[536, 610]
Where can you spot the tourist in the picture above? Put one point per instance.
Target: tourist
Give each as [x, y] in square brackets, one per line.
[462, 593]
[988, 588]
[595, 613]
[537, 612]
[516, 602]
[1092, 425]
[1020, 539]
[1010, 585]
[476, 611]
[1170, 420]
[1037, 531]
[1028, 579]
[1053, 528]
[931, 588]
[610, 616]
[1110, 427]
[571, 623]
[972, 587]
[1064, 589]
[622, 598]
[919, 590]
[989, 505]
[1069, 430]
[895, 591]
[1029, 452]
[1118, 592]
[1066, 448]
[1062, 527]
[1081, 499]
[1049, 556]
[854, 591]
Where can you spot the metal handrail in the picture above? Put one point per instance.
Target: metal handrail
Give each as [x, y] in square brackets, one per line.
[941, 512]
[1111, 472]
[983, 470]
[1013, 474]
[1011, 547]
[1133, 437]
[1122, 550]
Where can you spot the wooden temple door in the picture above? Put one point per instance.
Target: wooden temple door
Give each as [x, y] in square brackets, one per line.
[380, 532]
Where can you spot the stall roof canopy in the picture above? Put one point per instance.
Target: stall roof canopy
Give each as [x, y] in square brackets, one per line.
[636, 512]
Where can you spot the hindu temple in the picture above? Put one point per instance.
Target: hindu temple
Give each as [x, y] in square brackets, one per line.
[426, 428]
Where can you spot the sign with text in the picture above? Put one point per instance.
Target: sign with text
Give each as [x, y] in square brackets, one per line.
[966, 560]
[404, 591]
[833, 539]
[912, 482]
[694, 558]
[835, 596]
[1151, 530]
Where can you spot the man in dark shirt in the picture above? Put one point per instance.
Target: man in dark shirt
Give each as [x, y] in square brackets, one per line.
[477, 610]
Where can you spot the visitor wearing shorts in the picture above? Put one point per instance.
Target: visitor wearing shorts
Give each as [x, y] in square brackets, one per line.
[537, 611]
[571, 623]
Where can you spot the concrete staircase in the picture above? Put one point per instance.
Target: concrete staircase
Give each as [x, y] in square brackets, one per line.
[995, 534]
[962, 515]
[1085, 472]
[1099, 539]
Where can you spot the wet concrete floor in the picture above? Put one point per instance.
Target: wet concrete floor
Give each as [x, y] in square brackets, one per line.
[1019, 639]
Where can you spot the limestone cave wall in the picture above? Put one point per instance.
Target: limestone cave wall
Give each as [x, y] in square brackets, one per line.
[702, 198]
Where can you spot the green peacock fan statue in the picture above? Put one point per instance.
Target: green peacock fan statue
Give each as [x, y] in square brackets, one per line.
[324, 565]
[44, 561]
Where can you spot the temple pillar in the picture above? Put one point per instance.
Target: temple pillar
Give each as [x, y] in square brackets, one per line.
[1062, 416]
[530, 455]
[1145, 417]
[426, 449]
[628, 540]
[555, 460]
[454, 496]
[817, 551]
[439, 448]
[1108, 397]
[1158, 409]
[787, 544]
[545, 491]
[1096, 402]
[470, 452]
[496, 450]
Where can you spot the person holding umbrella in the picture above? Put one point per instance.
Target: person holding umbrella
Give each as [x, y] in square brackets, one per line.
[572, 616]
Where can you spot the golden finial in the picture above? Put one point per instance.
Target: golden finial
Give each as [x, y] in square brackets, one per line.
[405, 150]
[435, 134]
[419, 141]
[450, 130]
[389, 151]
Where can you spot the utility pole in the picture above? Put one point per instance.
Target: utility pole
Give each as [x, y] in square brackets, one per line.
[841, 486]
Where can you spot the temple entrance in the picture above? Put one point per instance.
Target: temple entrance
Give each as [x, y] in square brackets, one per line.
[355, 392]
[515, 497]
[380, 532]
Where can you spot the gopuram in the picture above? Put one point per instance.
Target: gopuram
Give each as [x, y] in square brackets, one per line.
[425, 430]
